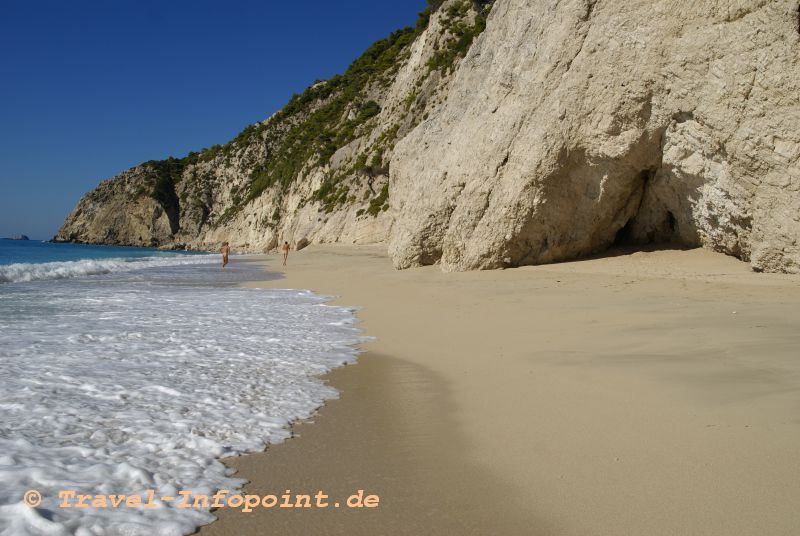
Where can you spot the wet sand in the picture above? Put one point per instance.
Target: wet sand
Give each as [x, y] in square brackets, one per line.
[648, 393]
[405, 449]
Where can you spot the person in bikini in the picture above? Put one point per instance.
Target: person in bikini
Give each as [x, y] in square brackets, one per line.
[226, 250]
[285, 250]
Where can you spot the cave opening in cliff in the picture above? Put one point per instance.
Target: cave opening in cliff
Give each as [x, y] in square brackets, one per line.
[624, 237]
[670, 225]
[641, 234]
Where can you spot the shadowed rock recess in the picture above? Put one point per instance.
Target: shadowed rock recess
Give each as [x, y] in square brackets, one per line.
[509, 133]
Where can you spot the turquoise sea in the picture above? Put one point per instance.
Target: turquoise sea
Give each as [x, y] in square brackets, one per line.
[38, 251]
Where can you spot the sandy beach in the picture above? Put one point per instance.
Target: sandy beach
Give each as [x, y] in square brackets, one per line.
[647, 393]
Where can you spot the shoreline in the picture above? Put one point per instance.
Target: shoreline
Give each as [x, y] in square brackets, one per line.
[344, 448]
[358, 417]
[643, 393]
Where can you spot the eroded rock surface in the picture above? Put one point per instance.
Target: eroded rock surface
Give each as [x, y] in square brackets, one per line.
[574, 124]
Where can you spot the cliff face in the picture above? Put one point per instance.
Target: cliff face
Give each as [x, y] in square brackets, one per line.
[573, 124]
[570, 125]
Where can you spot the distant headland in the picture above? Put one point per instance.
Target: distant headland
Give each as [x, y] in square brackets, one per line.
[17, 237]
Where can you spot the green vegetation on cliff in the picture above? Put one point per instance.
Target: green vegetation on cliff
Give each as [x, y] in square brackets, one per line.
[319, 115]
[327, 116]
[461, 33]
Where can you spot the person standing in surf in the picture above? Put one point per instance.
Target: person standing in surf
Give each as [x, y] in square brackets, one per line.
[226, 250]
[285, 250]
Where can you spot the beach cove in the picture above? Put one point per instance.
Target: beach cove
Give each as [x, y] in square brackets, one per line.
[639, 393]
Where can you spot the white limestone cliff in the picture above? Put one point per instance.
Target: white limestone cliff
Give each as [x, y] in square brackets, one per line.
[573, 124]
[568, 127]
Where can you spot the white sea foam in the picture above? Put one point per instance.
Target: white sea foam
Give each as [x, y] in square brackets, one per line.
[24, 272]
[111, 387]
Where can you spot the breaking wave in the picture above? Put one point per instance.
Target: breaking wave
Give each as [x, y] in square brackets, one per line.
[24, 272]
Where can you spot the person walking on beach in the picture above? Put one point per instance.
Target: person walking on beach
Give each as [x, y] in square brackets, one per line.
[226, 250]
[285, 250]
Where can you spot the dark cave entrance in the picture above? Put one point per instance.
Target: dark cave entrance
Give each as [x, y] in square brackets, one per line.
[657, 236]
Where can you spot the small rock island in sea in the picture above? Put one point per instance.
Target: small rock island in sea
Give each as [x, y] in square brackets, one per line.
[18, 237]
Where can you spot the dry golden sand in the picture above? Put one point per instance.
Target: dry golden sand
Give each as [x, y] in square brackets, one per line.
[641, 394]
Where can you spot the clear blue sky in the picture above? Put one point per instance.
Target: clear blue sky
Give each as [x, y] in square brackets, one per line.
[88, 89]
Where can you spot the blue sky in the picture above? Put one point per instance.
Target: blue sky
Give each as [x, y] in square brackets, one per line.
[88, 89]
